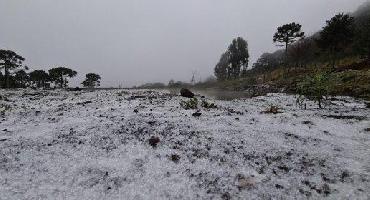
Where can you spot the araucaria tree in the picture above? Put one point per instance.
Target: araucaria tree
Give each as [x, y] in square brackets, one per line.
[287, 34]
[39, 78]
[233, 60]
[92, 80]
[60, 75]
[21, 79]
[336, 35]
[9, 61]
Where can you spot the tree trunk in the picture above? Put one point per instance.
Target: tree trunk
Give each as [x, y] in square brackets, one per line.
[286, 49]
[6, 74]
[334, 57]
[61, 81]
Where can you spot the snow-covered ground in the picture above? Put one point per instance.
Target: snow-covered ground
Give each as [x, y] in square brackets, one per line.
[95, 145]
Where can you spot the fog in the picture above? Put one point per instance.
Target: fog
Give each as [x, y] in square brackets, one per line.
[136, 41]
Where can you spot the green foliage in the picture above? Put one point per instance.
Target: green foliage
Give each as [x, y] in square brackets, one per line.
[222, 67]
[288, 34]
[208, 105]
[267, 61]
[301, 52]
[9, 60]
[21, 79]
[362, 39]
[3, 109]
[233, 61]
[336, 35]
[272, 110]
[315, 87]
[189, 104]
[39, 78]
[92, 80]
[60, 74]
[239, 56]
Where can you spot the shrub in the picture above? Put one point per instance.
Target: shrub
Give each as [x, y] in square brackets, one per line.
[315, 87]
[272, 110]
[3, 109]
[206, 104]
[190, 104]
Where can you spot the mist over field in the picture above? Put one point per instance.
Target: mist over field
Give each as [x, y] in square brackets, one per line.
[137, 41]
[192, 99]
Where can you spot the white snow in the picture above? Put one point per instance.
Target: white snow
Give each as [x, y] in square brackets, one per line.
[93, 145]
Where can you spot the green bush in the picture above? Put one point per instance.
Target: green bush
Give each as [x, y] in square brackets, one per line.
[208, 105]
[4, 108]
[315, 87]
[190, 104]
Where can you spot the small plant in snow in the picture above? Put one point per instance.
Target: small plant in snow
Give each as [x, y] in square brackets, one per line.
[122, 93]
[190, 104]
[300, 101]
[3, 109]
[272, 110]
[206, 104]
[315, 88]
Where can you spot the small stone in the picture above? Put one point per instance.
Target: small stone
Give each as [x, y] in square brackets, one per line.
[308, 123]
[279, 186]
[245, 182]
[197, 114]
[153, 141]
[175, 158]
[186, 93]
[344, 176]
[226, 196]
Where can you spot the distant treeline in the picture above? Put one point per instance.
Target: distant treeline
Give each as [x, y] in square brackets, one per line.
[345, 35]
[16, 76]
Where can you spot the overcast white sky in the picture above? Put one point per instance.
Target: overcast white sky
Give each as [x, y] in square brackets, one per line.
[130, 42]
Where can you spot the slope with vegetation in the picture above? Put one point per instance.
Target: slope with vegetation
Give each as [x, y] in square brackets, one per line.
[340, 53]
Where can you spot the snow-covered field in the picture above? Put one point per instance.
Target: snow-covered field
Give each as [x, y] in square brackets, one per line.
[95, 145]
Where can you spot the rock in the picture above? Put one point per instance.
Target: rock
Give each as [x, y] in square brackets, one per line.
[308, 123]
[325, 189]
[186, 93]
[84, 103]
[136, 97]
[355, 117]
[226, 196]
[279, 186]
[175, 158]
[153, 141]
[197, 114]
[272, 110]
[245, 182]
[75, 89]
[345, 174]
